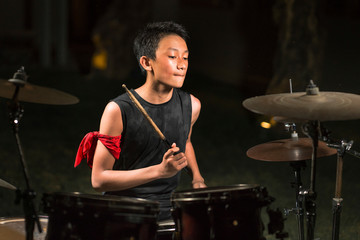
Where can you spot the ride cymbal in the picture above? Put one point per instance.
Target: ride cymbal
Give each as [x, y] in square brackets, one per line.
[287, 150]
[324, 106]
[36, 94]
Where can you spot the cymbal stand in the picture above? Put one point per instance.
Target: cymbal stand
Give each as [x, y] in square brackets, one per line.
[337, 200]
[312, 130]
[298, 210]
[15, 113]
[296, 166]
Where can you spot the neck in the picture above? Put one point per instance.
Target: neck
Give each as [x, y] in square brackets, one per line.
[155, 93]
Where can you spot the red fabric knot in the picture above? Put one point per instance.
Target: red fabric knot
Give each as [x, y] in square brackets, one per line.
[88, 145]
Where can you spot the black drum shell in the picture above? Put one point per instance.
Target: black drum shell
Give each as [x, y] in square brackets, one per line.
[90, 216]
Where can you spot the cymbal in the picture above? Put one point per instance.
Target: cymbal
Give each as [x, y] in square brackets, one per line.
[6, 185]
[287, 150]
[324, 106]
[36, 94]
[288, 120]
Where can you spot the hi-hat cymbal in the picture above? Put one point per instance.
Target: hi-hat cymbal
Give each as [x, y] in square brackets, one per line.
[287, 150]
[36, 94]
[325, 106]
[6, 185]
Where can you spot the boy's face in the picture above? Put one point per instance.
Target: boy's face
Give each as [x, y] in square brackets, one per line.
[171, 63]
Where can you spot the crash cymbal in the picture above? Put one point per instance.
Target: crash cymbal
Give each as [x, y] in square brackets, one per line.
[324, 106]
[36, 94]
[287, 150]
[6, 185]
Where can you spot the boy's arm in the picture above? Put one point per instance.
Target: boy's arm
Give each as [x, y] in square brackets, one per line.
[104, 178]
[198, 180]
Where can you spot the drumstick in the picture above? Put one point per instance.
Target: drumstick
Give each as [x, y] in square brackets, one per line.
[146, 115]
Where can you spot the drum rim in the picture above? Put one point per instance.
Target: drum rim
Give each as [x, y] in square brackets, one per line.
[101, 197]
[219, 188]
[204, 194]
[5, 220]
[103, 205]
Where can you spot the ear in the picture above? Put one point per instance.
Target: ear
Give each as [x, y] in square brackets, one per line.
[145, 63]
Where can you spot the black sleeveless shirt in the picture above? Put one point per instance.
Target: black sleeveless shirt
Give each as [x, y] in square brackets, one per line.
[142, 147]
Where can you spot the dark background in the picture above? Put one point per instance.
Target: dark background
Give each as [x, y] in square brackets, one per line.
[239, 49]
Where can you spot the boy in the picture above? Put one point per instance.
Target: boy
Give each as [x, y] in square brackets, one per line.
[146, 167]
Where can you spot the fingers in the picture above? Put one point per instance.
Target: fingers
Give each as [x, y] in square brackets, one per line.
[182, 162]
[175, 158]
[173, 161]
[172, 150]
[179, 161]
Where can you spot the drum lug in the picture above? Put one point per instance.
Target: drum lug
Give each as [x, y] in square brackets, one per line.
[210, 212]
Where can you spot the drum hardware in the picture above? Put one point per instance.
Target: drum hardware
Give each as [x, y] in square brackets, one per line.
[15, 114]
[211, 216]
[313, 130]
[342, 148]
[18, 89]
[296, 166]
[166, 230]
[298, 210]
[314, 107]
[276, 224]
[295, 151]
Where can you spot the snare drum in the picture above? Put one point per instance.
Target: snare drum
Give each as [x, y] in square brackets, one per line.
[230, 212]
[14, 228]
[87, 216]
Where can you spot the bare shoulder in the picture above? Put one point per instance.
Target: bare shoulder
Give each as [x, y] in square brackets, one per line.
[196, 107]
[111, 120]
[112, 108]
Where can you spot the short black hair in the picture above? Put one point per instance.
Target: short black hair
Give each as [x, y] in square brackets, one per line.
[147, 40]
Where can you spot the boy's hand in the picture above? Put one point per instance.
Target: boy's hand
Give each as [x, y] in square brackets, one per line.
[171, 163]
[199, 185]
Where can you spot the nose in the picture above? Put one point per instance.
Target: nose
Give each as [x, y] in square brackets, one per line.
[182, 64]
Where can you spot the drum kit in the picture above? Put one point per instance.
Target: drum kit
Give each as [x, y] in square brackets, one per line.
[309, 108]
[229, 212]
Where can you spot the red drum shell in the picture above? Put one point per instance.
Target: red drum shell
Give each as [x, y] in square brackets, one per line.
[229, 212]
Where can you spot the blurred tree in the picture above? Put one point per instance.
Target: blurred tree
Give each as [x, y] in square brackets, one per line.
[113, 37]
[300, 47]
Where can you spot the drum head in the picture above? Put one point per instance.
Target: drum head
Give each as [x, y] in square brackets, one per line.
[14, 228]
[220, 194]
